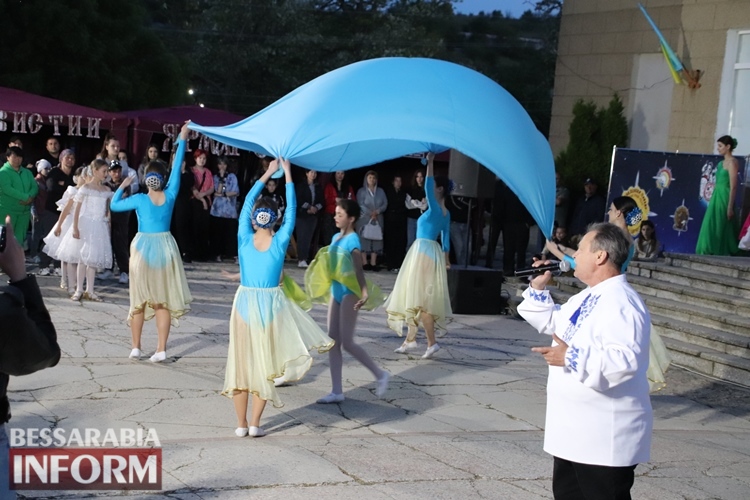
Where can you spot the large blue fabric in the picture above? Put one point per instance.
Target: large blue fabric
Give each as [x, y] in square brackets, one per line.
[379, 109]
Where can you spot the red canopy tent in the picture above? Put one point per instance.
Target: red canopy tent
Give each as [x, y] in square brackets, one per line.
[167, 122]
[29, 115]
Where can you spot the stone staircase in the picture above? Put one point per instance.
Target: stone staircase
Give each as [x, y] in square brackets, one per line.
[700, 305]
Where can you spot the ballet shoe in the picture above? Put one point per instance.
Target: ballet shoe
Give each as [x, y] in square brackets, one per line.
[159, 357]
[382, 384]
[256, 432]
[241, 431]
[331, 398]
[406, 346]
[431, 351]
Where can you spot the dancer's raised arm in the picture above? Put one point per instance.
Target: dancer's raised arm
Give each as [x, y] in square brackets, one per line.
[245, 222]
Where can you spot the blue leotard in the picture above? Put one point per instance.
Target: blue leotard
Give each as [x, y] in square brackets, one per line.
[263, 269]
[349, 243]
[153, 218]
[433, 221]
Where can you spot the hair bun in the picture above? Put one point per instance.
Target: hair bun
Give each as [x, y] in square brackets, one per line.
[734, 143]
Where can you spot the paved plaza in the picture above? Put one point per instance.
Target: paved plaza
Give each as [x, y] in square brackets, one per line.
[467, 424]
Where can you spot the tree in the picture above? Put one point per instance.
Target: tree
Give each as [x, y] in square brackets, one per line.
[91, 52]
[593, 133]
[247, 55]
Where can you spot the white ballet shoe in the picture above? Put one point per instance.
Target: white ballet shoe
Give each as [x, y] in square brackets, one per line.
[256, 432]
[135, 354]
[382, 384]
[279, 381]
[431, 351]
[241, 432]
[406, 346]
[158, 357]
[331, 398]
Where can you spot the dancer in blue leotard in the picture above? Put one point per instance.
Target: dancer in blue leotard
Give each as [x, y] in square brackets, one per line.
[337, 271]
[158, 286]
[420, 294]
[269, 335]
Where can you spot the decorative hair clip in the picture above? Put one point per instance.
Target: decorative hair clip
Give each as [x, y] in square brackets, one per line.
[154, 180]
[633, 217]
[264, 217]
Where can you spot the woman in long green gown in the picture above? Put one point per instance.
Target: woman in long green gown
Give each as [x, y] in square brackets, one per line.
[718, 235]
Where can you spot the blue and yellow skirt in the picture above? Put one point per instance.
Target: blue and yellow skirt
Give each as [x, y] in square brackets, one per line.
[421, 288]
[157, 277]
[269, 336]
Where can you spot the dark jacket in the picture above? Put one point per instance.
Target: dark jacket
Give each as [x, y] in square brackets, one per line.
[28, 341]
[57, 182]
[458, 206]
[305, 198]
[396, 201]
[416, 193]
[587, 210]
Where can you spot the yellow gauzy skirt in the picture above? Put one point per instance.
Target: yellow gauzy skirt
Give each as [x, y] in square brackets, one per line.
[421, 288]
[269, 336]
[658, 362]
[333, 263]
[157, 277]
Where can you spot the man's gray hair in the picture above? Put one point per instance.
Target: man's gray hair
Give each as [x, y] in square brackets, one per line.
[611, 239]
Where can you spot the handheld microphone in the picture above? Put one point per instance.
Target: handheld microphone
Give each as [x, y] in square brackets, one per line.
[555, 267]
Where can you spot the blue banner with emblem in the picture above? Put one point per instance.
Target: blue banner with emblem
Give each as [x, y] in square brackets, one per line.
[673, 191]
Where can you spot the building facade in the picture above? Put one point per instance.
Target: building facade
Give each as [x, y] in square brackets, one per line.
[607, 47]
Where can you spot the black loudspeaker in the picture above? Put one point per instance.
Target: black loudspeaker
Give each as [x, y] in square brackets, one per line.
[476, 290]
[469, 177]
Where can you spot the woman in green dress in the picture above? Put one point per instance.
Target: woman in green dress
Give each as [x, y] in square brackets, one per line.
[718, 234]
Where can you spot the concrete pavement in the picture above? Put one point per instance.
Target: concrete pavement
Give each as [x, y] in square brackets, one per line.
[466, 424]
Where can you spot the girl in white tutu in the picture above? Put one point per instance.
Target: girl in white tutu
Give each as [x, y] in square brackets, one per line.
[88, 235]
[337, 271]
[269, 335]
[420, 294]
[64, 224]
[158, 286]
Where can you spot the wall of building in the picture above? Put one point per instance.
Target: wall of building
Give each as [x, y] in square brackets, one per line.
[600, 44]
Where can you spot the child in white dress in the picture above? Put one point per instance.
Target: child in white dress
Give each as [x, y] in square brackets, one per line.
[91, 230]
[53, 240]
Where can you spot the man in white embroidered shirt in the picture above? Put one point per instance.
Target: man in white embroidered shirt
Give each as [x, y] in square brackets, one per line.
[599, 420]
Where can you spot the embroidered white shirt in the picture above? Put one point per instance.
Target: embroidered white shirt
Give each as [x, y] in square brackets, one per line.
[598, 405]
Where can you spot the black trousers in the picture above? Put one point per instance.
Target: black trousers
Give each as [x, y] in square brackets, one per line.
[181, 222]
[515, 243]
[574, 481]
[199, 229]
[223, 237]
[394, 239]
[120, 240]
[496, 227]
[305, 227]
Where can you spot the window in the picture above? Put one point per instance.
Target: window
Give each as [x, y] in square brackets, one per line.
[734, 100]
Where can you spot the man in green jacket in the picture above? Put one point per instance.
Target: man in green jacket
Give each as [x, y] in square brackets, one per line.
[17, 191]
